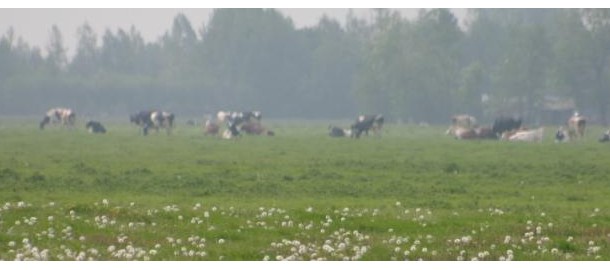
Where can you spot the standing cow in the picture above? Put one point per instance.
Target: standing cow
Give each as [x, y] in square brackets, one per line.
[65, 116]
[504, 124]
[153, 119]
[364, 123]
[576, 126]
[162, 119]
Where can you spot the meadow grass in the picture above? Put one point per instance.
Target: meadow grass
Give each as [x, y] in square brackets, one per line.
[413, 194]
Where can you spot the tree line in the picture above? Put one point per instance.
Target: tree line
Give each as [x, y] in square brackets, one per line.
[499, 61]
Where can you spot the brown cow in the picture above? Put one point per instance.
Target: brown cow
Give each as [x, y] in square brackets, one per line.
[211, 128]
[255, 128]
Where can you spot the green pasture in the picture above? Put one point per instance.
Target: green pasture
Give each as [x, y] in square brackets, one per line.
[413, 194]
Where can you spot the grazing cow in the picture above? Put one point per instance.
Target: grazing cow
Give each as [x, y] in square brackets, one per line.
[576, 126]
[505, 123]
[162, 119]
[605, 136]
[534, 135]
[153, 119]
[211, 128]
[364, 123]
[65, 116]
[95, 127]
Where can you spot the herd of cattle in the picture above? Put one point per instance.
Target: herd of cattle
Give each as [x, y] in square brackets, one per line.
[463, 127]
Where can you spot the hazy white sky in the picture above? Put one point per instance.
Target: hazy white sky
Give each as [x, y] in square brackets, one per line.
[153, 18]
[34, 24]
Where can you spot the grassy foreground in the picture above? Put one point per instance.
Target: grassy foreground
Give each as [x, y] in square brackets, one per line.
[413, 194]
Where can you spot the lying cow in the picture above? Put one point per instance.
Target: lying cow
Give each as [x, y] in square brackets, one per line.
[336, 132]
[605, 137]
[95, 127]
[534, 135]
[561, 135]
[255, 128]
[211, 128]
[464, 133]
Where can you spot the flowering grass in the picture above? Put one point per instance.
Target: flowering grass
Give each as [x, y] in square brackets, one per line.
[412, 195]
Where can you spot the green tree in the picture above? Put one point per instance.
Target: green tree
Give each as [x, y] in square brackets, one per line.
[57, 58]
[86, 61]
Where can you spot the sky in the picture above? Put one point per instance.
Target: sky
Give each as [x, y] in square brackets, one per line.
[32, 19]
[34, 24]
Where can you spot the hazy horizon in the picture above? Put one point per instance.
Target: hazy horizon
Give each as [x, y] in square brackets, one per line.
[33, 25]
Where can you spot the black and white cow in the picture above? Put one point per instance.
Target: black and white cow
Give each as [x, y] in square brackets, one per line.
[64, 116]
[364, 123]
[252, 116]
[142, 119]
[505, 123]
[162, 119]
[336, 132]
[153, 119]
[235, 120]
[95, 127]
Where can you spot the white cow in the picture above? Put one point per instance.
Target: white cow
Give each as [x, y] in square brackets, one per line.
[461, 121]
[533, 135]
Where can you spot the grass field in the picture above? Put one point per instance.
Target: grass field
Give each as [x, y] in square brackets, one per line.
[413, 194]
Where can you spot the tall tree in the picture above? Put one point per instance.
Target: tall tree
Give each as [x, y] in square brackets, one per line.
[86, 60]
[57, 58]
[598, 22]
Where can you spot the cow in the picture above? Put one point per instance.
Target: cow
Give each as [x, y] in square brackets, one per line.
[576, 126]
[153, 119]
[66, 117]
[505, 123]
[561, 135]
[211, 128]
[534, 135]
[462, 133]
[336, 132]
[162, 119]
[255, 128]
[223, 115]
[142, 119]
[605, 137]
[252, 116]
[364, 123]
[461, 121]
[95, 127]
[485, 133]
